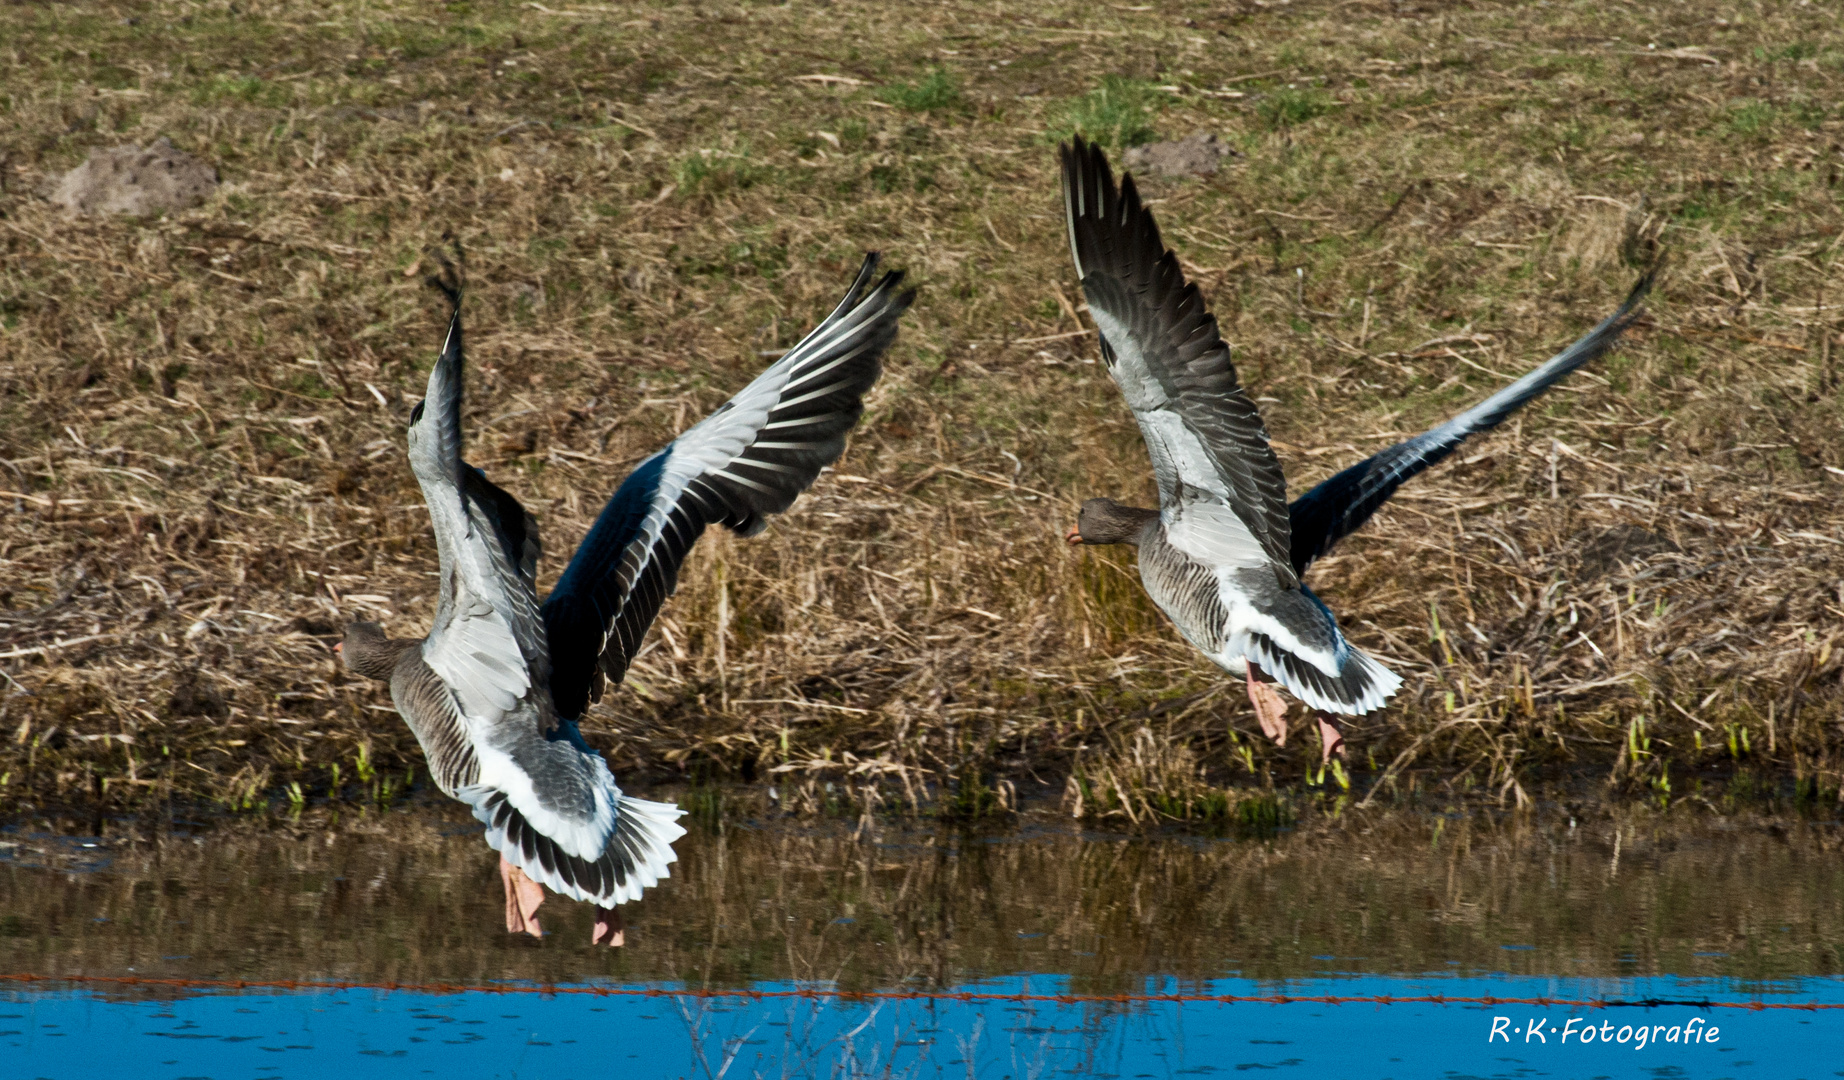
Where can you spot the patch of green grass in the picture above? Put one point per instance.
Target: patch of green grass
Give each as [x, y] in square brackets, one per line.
[938, 91]
[757, 258]
[115, 78]
[248, 89]
[544, 247]
[1811, 114]
[1578, 135]
[1293, 105]
[755, 253]
[1119, 113]
[1798, 50]
[308, 384]
[1751, 118]
[975, 795]
[414, 42]
[713, 172]
[898, 178]
[1263, 815]
[704, 805]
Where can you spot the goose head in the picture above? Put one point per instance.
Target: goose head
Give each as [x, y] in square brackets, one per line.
[1104, 521]
[366, 651]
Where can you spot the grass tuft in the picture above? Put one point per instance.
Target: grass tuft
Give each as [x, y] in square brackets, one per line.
[1293, 105]
[719, 172]
[938, 91]
[1118, 114]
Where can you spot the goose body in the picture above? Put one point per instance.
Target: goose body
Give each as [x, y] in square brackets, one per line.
[1237, 614]
[1224, 554]
[493, 693]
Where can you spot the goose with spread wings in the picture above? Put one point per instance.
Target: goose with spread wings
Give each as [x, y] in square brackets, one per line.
[1224, 554]
[494, 692]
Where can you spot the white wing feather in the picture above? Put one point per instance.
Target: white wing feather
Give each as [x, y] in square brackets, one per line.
[1179, 457]
[1210, 532]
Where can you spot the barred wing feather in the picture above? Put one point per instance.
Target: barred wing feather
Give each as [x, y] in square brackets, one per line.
[749, 459]
[1202, 431]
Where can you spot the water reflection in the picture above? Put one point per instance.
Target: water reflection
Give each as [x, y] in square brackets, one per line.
[364, 1033]
[412, 896]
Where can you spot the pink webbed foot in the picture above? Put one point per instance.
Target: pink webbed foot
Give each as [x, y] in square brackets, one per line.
[610, 928]
[1331, 740]
[523, 895]
[1270, 707]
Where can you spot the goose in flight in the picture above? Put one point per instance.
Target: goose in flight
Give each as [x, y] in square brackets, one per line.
[495, 691]
[1224, 554]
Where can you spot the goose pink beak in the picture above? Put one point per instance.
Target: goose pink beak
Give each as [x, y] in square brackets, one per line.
[1074, 537]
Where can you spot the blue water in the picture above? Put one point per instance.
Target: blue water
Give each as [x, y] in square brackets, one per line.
[361, 1033]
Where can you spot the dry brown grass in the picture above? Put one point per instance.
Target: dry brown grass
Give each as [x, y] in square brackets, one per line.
[1633, 589]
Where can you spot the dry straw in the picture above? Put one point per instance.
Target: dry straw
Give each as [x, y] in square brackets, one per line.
[1633, 590]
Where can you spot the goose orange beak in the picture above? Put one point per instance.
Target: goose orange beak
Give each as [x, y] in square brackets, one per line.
[1074, 537]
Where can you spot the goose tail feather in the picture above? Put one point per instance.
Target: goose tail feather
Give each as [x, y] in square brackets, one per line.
[645, 831]
[1361, 686]
[637, 857]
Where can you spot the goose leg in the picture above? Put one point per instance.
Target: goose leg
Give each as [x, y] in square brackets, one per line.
[610, 928]
[1270, 707]
[1331, 740]
[523, 895]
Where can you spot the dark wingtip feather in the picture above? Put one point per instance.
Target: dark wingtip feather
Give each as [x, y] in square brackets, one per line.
[853, 295]
[890, 283]
[446, 378]
[1089, 196]
[1631, 308]
[861, 292]
[450, 281]
[1341, 504]
[1644, 285]
[450, 278]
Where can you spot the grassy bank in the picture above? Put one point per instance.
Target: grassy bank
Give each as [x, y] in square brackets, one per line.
[1631, 593]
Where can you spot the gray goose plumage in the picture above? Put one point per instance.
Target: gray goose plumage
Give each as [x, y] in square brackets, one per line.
[1224, 554]
[494, 690]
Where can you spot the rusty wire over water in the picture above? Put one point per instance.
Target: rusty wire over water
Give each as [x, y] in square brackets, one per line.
[964, 996]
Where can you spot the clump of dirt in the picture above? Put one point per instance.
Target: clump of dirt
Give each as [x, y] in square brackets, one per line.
[1200, 155]
[130, 180]
[193, 696]
[1620, 544]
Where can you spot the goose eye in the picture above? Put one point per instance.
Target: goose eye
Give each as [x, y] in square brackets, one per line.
[416, 414]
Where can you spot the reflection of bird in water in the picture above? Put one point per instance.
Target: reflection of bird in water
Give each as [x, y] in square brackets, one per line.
[1224, 554]
[494, 692]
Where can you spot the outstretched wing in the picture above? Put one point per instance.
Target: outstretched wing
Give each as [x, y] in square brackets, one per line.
[486, 641]
[747, 460]
[1339, 505]
[1203, 433]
